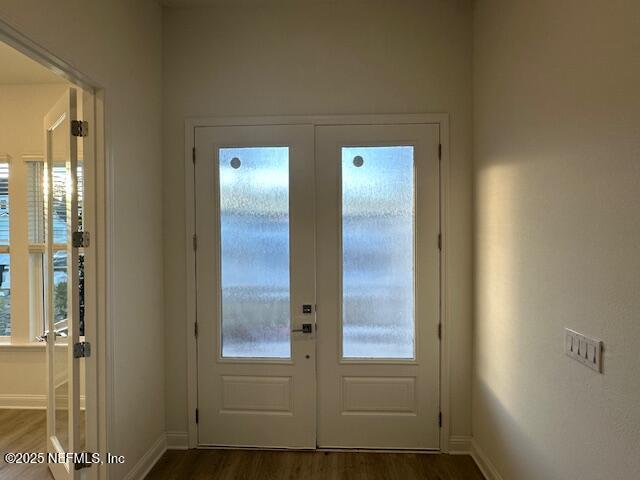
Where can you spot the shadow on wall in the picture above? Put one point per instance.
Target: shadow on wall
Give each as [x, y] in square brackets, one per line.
[518, 448]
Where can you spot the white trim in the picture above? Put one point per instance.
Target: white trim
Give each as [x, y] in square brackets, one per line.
[190, 267]
[30, 401]
[177, 440]
[32, 157]
[23, 402]
[22, 347]
[485, 465]
[318, 120]
[460, 444]
[142, 468]
[445, 299]
[442, 119]
[31, 49]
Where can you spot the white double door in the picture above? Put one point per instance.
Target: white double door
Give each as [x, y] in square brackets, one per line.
[317, 274]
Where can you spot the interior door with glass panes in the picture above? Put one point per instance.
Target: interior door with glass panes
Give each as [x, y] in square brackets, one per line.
[378, 286]
[61, 286]
[254, 199]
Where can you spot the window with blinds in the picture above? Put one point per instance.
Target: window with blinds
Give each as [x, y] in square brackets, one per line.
[4, 203]
[59, 203]
[35, 202]
[5, 276]
[80, 179]
[37, 237]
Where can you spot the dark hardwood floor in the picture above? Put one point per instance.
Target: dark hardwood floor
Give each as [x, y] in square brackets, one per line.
[273, 465]
[25, 431]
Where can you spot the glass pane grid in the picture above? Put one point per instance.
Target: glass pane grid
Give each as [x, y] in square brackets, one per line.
[254, 225]
[378, 252]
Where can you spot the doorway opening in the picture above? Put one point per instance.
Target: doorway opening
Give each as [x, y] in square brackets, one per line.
[48, 275]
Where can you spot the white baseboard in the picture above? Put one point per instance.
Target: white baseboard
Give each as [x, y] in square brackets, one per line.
[30, 402]
[177, 440]
[23, 402]
[485, 465]
[148, 460]
[460, 445]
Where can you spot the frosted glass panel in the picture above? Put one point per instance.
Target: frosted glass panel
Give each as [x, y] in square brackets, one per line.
[377, 252]
[254, 220]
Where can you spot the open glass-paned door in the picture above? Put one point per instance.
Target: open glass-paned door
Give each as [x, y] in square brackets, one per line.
[61, 288]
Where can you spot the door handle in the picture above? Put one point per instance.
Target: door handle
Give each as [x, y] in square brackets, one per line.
[55, 333]
[44, 337]
[306, 328]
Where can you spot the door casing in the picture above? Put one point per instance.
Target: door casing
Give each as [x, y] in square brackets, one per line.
[190, 155]
[97, 201]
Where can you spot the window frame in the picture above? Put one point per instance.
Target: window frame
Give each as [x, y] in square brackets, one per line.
[37, 320]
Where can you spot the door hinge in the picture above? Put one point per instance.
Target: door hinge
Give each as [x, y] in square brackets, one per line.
[81, 350]
[439, 151]
[197, 416]
[195, 241]
[79, 128]
[439, 241]
[440, 419]
[440, 331]
[80, 239]
[193, 154]
[195, 329]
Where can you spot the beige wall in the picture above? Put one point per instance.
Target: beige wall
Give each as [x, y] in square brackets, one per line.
[22, 111]
[118, 44]
[557, 153]
[317, 57]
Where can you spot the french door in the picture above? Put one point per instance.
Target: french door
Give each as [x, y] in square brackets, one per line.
[317, 275]
[378, 286]
[61, 293]
[255, 286]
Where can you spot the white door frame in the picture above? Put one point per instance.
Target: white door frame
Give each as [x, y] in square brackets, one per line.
[98, 195]
[442, 119]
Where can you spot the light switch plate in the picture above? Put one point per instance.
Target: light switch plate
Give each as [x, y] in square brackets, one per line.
[586, 350]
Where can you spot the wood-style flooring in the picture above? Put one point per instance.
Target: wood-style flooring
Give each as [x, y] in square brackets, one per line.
[274, 465]
[23, 431]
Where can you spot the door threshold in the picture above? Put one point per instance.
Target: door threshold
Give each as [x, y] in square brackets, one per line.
[423, 451]
[427, 451]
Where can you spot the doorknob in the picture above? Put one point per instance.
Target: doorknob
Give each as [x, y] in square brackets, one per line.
[306, 328]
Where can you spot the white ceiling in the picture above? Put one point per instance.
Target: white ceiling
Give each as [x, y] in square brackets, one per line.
[16, 68]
